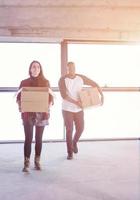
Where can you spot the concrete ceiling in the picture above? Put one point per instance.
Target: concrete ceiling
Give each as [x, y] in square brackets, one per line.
[101, 20]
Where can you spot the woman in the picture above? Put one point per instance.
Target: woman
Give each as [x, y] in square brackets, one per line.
[31, 119]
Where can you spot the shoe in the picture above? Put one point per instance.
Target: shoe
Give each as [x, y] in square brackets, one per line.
[37, 163]
[26, 165]
[75, 148]
[69, 157]
[25, 169]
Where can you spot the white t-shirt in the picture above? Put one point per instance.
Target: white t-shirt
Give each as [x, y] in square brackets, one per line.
[74, 86]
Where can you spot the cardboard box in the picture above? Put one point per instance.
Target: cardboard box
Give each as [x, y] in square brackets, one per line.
[34, 99]
[90, 97]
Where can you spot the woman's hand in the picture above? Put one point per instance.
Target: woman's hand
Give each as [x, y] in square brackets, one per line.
[19, 106]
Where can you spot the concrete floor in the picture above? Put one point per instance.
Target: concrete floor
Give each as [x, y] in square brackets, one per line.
[108, 170]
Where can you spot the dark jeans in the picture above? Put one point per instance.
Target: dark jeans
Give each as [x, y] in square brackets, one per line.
[72, 119]
[28, 130]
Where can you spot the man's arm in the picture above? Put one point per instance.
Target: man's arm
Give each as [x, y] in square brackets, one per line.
[92, 83]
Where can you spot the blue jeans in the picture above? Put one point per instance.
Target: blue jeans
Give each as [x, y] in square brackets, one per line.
[72, 119]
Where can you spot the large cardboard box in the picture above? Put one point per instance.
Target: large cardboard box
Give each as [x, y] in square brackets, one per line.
[90, 97]
[34, 99]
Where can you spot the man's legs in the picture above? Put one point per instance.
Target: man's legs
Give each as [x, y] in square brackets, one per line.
[79, 126]
[68, 120]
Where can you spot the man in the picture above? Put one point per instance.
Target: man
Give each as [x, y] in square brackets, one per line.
[70, 85]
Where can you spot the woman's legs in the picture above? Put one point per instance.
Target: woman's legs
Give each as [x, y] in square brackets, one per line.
[28, 130]
[38, 139]
[38, 146]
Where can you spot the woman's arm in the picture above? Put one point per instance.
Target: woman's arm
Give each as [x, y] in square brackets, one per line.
[51, 98]
[18, 98]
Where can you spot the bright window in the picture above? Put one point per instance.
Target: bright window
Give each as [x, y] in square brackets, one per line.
[11, 127]
[109, 65]
[15, 59]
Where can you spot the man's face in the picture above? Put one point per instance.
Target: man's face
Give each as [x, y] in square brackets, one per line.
[71, 69]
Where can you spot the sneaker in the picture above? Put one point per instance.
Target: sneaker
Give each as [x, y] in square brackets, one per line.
[75, 148]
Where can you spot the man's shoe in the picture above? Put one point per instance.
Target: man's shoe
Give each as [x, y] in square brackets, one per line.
[75, 148]
[69, 157]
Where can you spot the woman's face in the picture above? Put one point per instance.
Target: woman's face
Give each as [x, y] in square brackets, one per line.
[35, 69]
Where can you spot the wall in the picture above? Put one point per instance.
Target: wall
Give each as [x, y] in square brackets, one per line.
[102, 20]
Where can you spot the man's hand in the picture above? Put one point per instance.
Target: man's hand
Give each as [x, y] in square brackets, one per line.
[102, 99]
[79, 103]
